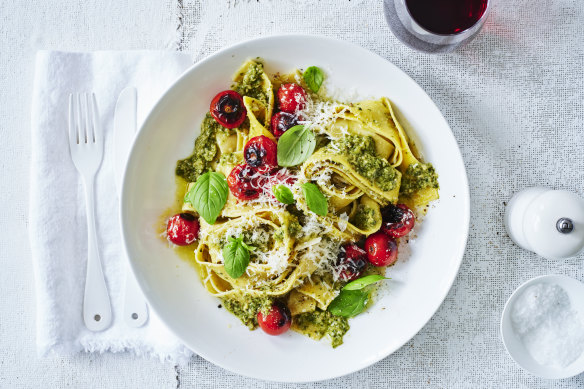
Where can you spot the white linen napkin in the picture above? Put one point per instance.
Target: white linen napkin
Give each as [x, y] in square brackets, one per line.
[58, 231]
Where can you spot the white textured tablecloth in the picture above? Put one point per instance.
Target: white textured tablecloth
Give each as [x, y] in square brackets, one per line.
[514, 99]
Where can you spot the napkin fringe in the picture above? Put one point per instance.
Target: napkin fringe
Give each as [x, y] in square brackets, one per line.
[174, 357]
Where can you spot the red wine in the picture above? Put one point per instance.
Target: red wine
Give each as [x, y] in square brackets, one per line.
[446, 16]
[435, 26]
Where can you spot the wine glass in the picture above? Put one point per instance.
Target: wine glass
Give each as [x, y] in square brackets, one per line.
[436, 26]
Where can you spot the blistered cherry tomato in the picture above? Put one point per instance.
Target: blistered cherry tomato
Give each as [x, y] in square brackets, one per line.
[245, 182]
[282, 122]
[291, 98]
[398, 220]
[260, 152]
[227, 108]
[277, 321]
[182, 229]
[280, 176]
[381, 249]
[351, 262]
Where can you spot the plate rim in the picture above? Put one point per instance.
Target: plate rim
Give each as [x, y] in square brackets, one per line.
[379, 355]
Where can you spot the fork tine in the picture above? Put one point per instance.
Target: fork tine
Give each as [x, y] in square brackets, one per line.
[73, 137]
[88, 129]
[95, 118]
[80, 132]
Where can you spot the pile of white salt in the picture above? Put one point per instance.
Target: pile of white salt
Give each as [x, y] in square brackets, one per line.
[551, 331]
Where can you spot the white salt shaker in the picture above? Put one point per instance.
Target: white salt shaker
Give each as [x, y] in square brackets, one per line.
[547, 222]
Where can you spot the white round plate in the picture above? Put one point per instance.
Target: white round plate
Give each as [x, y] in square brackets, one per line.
[419, 283]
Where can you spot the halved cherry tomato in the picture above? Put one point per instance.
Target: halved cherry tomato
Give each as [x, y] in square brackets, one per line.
[398, 220]
[245, 182]
[227, 109]
[351, 262]
[260, 152]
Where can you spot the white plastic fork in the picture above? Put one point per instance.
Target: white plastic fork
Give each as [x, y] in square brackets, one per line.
[86, 146]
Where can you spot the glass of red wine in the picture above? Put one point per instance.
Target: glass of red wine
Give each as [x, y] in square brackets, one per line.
[436, 26]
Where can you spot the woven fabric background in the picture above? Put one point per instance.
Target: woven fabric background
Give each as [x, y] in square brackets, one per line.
[514, 98]
[25, 27]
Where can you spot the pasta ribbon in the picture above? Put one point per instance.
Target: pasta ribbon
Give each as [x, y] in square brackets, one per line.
[420, 197]
[350, 184]
[258, 89]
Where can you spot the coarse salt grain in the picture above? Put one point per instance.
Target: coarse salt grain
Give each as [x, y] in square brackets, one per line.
[551, 331]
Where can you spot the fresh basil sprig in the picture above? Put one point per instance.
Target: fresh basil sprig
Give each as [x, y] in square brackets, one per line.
[362, 282]
[295, 146]
[313, 77]
[283, 194]
[315, 200]
[353, 297]
[349, 303]
[236, 256]
[209, 195]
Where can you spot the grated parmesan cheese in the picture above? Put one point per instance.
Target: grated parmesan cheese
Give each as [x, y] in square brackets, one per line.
[344, 219]
[319, 115]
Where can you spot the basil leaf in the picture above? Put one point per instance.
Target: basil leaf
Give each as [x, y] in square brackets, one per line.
[362, 282]
[248, 247]
[235, 257]
[209, 195]
[295, 146]
[313, 77]
[283, 194]
[315, 200]
[349, 303]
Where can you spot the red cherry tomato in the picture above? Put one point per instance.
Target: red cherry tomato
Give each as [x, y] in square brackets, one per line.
[227, 109]
[277, 321]
[291, 98]
[245, 182]
[398, 220]
[351, 262]
[381, 249]
[280, 176]
[261, 153]
[182, 229]
[282, 122]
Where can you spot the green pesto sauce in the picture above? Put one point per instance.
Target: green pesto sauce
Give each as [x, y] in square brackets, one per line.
[360, 151]
[418, 176]
[320, 323]
[205, 151]
[279, 234]
[364, 218]
[251, 83]
[247, 307]
[229, 158]
[260, 241]
[294, 228]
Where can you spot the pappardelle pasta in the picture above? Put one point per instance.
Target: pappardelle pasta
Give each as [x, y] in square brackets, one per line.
[294, 202]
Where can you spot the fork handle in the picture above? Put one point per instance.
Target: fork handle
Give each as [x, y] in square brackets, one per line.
[97, 311]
